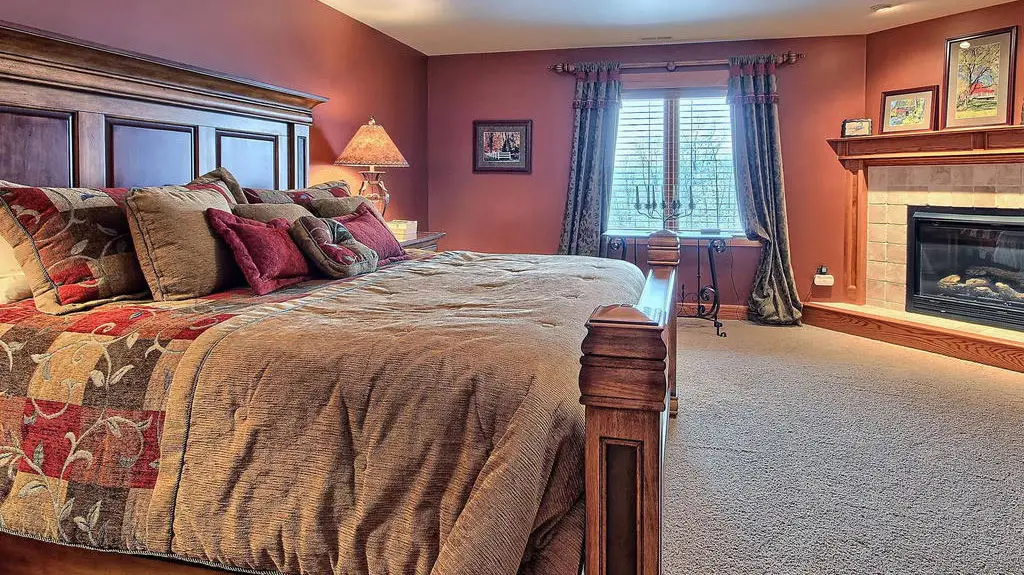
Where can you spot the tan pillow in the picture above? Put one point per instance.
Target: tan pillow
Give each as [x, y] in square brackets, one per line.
[266, 212]
[337, 207]
[222, 177]
[180, 254]
[335, 189]
[14, 285]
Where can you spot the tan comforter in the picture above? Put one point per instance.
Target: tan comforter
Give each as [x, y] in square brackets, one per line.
[420, 419]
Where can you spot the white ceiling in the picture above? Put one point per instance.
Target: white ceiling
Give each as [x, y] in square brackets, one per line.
[437, 27]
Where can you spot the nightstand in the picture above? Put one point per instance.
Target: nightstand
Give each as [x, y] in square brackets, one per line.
[422, 241]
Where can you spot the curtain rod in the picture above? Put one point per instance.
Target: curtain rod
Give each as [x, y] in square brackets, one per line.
[780, 59]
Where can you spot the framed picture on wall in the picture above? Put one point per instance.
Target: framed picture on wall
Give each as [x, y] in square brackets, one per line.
[503, 146]
[980, 72]
[912, 110]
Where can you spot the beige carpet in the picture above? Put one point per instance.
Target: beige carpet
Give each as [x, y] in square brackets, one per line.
[800, 450]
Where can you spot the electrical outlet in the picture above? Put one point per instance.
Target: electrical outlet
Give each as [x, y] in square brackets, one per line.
[823, 278]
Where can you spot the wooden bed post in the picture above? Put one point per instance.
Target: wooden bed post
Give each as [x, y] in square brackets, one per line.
[627, 375]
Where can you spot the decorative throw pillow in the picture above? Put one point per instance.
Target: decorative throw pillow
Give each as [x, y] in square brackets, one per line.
[368, 228]
[265, 252]
[14, 285]
[180, 255]
[73, 245]
[331, 247]
[336, 189]
[337, 207]
[266, 212]
[220, 180]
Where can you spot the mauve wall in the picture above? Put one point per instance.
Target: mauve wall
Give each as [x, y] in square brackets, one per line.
[299, 44]
[523, 213]
[915, 55]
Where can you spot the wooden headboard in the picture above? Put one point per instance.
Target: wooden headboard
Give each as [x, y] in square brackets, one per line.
[79, 114]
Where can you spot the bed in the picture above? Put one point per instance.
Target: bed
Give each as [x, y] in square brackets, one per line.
[434, 416]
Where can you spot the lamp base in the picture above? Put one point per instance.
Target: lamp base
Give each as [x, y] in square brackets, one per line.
[373, 189]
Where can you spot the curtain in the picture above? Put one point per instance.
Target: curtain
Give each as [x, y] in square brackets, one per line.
[760, 189]
[596, 108]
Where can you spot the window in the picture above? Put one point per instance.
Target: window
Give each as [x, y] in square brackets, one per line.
[675, 147]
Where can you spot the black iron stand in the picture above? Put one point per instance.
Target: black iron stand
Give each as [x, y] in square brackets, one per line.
[708, 300]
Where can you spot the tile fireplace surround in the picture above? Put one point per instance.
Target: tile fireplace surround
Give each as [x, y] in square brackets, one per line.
[892, 188]
[957, 168]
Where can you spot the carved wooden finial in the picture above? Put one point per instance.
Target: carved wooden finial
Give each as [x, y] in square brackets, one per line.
[663, 249]
[626, 314]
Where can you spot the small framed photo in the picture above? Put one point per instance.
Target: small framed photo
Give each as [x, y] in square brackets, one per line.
[503, 146]
[980, 72]
[856, 127]
[912, 110]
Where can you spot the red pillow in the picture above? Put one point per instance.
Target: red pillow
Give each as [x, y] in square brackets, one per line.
[367, 228]
[269, 258]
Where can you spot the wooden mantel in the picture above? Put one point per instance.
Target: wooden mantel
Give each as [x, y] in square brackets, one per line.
[998, 144]
[991, 145]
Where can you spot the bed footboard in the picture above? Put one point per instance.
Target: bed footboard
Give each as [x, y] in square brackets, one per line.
[628, 372]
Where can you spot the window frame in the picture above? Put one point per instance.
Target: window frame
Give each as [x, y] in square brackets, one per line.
[670, 130]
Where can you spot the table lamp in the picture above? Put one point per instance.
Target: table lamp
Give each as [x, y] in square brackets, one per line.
[372, 147]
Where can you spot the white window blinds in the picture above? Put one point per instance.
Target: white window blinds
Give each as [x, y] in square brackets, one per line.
[676, 150]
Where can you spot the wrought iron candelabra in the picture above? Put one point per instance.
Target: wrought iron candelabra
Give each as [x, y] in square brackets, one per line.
[662, 211]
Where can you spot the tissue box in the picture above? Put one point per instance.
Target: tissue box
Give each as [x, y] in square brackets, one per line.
[403, 229]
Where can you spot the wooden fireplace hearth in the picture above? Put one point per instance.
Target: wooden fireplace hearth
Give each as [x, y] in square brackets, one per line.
[990, 145]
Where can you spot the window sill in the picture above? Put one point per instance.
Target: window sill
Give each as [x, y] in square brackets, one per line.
[685, 239]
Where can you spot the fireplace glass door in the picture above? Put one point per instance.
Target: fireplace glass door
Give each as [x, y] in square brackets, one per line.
[967, 263]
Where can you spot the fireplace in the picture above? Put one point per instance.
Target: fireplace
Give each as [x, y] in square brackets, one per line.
[966, 263]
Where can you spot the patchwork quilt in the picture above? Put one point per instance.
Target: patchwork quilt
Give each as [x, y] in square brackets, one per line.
[420, 419]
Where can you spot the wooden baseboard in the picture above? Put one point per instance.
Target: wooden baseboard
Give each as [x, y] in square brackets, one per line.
[971, 347]
[724, 312]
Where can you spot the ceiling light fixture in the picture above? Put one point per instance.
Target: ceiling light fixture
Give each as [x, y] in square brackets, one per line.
[882, 8]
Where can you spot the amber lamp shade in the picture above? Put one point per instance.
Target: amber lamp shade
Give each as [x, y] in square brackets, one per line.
[372, 147]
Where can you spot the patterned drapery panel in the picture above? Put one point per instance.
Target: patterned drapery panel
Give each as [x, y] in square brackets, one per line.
[761, 192]
[596, 108]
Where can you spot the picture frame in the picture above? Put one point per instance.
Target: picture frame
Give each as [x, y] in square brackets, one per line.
[503, 146]
[910, 110]
[856, 128]
[979, 79]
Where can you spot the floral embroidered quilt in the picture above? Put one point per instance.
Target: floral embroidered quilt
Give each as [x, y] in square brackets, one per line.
[420, 419]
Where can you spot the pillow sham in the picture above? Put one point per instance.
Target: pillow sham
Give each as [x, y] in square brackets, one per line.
[337, 207]
[73, 245]
[180, 256]
[266, 212]
[331, 247]
[303, 197]
[265, 252]
[14, 285]
[220, 180]
[369, 228]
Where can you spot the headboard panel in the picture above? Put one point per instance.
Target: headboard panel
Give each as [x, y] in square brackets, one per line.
[74, 113]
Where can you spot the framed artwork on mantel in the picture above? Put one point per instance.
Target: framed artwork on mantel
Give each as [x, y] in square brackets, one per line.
[856, 128]
[980, 72]
[912, 110]
[503, 146]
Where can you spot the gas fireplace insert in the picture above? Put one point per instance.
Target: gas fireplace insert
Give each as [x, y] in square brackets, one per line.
[967, 264]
